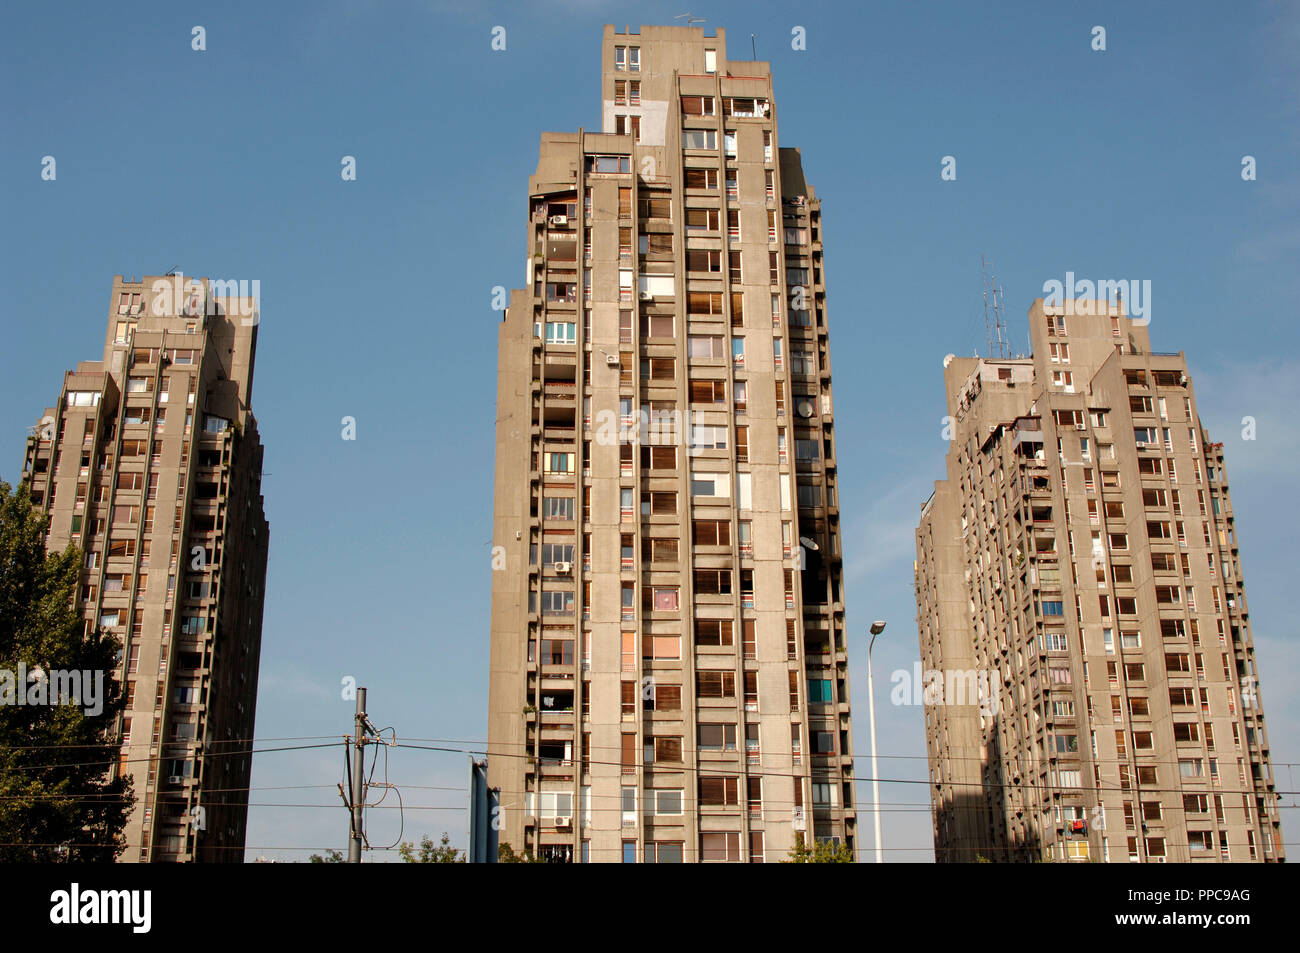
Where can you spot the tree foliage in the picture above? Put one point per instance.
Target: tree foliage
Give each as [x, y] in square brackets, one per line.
[506, 855]
[821, 852]
[56, 802]
[430, 853]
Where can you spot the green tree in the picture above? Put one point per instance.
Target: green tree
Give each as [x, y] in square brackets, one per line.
[821, 852]
[506, 855]
[431, 853]
[331, 857]
[56, 801]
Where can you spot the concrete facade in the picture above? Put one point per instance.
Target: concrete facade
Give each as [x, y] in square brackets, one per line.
[151, 463]
[668, 666]
[1082, 555]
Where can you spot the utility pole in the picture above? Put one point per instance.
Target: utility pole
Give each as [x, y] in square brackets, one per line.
[358, 781]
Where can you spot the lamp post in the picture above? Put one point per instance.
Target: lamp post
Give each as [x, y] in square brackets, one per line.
[876, 629]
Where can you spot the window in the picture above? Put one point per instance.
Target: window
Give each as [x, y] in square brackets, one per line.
[738, 352]
[558, 507]
[658, 458]
[663, 648]
[717, 846]
[710, 484]
[561, 332]
[663, 852]
[698, 259]
[708, 437]
[713, 632]
[699, 139]
[627, 59]
[712, 532]
[612, 164]
[664, 802]
[708, 392]
[705, 220]
[698, 106]
[659, 550]
[660, 598]
[658, 368]
[715, 684]
[557, 603]
[717, 737]
[719, 792]
[667, 750]
[656, 503]
[628, 126]
[664, 698]
[701, 178]
[704, 304]
[700, 347]
[657, 326]
[561, 463]
[84, 398]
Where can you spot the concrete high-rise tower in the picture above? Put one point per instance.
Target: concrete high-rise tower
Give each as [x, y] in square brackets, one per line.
[151, 463]
[668, 668]
[1080, 597]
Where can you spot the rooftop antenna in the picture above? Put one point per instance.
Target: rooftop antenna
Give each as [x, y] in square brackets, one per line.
[690, 19]
[753, 53]
[994, 304]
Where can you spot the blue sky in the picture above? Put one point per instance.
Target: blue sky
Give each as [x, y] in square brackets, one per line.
[376, 293]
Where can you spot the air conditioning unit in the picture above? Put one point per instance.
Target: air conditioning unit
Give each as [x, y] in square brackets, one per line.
[564, 823]
[1080, 426]
[564, 568]
[646, 296]
[175, 779]
[613, 361]
[559, 220]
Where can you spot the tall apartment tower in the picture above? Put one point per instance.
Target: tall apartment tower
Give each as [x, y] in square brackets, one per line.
[668, 669]
[151, 463]
[1079, 567]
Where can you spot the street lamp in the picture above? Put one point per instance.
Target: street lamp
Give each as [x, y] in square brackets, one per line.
[876, 628]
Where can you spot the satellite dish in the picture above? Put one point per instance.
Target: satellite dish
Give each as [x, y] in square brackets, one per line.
[947, 359]
[806, 408]
[808, 543]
